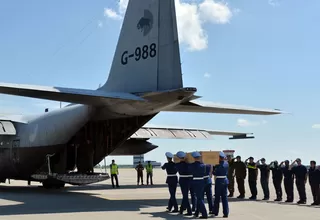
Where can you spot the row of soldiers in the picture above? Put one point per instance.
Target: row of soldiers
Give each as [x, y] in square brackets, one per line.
[284, 171]
[196, 178]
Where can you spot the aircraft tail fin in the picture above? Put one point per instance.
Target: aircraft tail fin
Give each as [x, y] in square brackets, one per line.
[147, 56]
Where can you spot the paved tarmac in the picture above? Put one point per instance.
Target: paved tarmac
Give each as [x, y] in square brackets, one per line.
[101, 201]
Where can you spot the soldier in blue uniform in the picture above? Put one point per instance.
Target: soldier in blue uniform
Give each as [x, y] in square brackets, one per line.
[172, 181]
[198, 172]
[226, 166]
[221, 187]
[184, 182]
[193, 196]
[208, 186]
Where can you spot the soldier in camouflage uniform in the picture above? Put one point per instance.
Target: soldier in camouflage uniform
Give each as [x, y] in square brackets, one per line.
[231, 175]
[241, 173]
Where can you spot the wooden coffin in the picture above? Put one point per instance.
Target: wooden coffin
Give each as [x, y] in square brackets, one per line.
[208, 157]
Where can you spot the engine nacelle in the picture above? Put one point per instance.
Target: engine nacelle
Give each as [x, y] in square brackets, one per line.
[134, 147]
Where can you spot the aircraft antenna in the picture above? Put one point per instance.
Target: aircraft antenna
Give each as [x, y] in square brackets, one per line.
[79, 32]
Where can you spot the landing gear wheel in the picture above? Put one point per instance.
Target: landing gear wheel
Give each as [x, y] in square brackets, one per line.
[46, 185]
[60, 185]
[52, 185]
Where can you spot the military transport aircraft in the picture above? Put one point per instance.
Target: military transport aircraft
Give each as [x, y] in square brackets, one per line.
[145, 78]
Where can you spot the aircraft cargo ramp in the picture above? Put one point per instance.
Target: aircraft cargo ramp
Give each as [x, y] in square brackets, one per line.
[72, 178]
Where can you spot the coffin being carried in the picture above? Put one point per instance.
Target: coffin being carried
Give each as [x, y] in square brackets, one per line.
[207, 157]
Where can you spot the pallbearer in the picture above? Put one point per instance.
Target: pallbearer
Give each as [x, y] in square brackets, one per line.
[208, 186]
[172, 181]
[184, 182]
[221, 187]
[193, 196]
[198, 172]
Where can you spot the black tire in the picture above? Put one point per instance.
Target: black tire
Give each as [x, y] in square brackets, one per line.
[59, 185]
[47, 184]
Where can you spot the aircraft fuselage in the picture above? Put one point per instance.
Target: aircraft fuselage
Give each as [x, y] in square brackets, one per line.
[65, 132]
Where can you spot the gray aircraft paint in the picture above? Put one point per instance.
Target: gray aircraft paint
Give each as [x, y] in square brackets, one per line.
[158, 73]
[52, 128]
[139, 88]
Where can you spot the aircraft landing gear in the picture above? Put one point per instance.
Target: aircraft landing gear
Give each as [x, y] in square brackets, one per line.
[49, 184]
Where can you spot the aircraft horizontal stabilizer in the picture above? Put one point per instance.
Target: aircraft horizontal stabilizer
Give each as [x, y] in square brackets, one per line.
[184, 133]
[207, 107]
[79, 96]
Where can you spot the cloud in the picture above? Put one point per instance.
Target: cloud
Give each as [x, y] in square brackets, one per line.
[316, 126]
[246, 123]
[274, 3]
[236, 11]
[112, 14]
[191, 18]
[214, 12]
[123, 6]
[207, 75]
[100, 24]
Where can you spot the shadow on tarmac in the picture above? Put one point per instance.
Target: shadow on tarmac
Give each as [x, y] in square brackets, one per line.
[36, 200]
[166, 215]
[109, 187]
[287, 203]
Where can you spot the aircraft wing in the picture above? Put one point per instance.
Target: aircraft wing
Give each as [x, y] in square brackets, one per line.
[184, 133]
[209, 107]
[80, 96]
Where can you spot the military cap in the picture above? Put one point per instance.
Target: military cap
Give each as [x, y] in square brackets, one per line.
[169, 155]
[181, 154]
[221, 154]
[195, 154]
